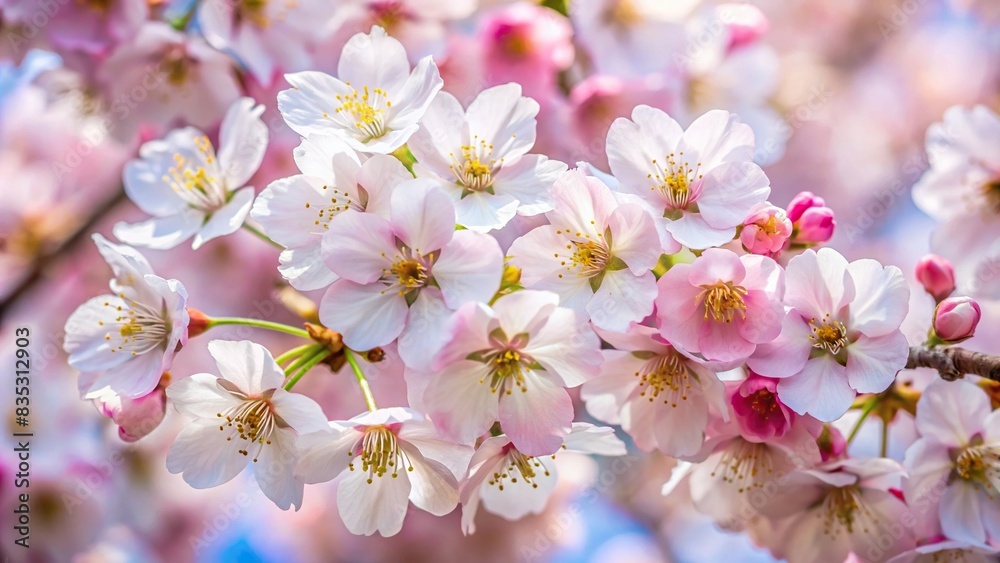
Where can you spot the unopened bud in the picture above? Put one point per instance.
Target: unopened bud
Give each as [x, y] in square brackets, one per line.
[198, 323]
[936, 275]
[956, 318]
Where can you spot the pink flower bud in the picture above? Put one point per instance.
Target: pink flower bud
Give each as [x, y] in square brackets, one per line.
[800, 203]
[135, 417]
[760, 413]
[936, 275]
[765, 230]
[745, 23]
[955, 319]
[815, 226]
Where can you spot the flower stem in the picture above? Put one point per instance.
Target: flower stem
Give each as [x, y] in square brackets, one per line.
[884, 450]
[362, 382]
[260, 234]
[312, 362]
[868, 408]
[295, 353]
[257, 323]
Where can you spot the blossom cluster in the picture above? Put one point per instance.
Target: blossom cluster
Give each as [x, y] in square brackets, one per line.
[491, 256]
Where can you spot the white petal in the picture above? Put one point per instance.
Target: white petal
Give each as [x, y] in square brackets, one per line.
[461, 402]
[426, 329]
[246, 364]
[519, 499]
[200, 396]
[324, 455]
[505, 119]
[422, 216]
[960, 513]
[379, 506]
[424, 437]
[882, 297]
[469, 268]
[203, 455]
[434, 488]
[365, 315]
[226, 220]
[820, 389]
[537, 416]
[872, 363]
[951, 412]
[303, 414]
[589, 439]
[242, 141]
[274, 470]
[161, 233]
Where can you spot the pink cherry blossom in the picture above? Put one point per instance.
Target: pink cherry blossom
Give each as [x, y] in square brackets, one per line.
[135, 417]
[765, 230]
[936, 275]
[596, 253]
[510, 363]
[401, 275]
[391, 457]
[722, 305]
[955, 465]
[758, 410]
[841, 335]
[511, 484]
[660, 397]
[703, 179]
[956, 318]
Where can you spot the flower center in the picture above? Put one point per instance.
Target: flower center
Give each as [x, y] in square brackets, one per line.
[177, 64]
[763, 402]
[624, 13]
[666, 375]
[476, 169]
[979, 464]
[253, 11]
[843, 509]
[677, 181]
[381, 454]
[364, 111]
[745, 465]
[507, 369]
[198, 187]
[723, 301]
[410, 273]
[139, 328]
[339, 201]
[991, 190]
[387, 13]
[251, 422]
[829, 335]
[528, 467]
[101, 6]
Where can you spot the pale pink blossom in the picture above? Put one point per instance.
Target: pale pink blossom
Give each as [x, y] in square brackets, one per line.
[479, 157]
[512, 484]
[190, 188]
[266, 37]
[510, 363]
[948, 550]
[955, 465]
[702, 181]
[296, 211]
[596, 253]
[374, 103]
[92, 27]
[126, 340]
[660, 397]
[721, 306]
[841, 336]
[390, 458]
[962, 190]
[402, 275]
[161, 76]
[243, 416]
[839, 508]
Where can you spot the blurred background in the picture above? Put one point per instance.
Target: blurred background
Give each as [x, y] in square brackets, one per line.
[839, 93]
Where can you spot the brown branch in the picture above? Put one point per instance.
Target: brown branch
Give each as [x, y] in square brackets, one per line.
[953, 363]
[66, 245]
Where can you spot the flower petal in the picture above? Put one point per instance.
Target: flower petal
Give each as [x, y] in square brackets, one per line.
[537, 416]
[203, 455]
[365, 315]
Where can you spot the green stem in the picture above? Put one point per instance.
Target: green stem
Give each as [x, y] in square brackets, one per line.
[362, 382]
[257, 323]
[302, 359]
[868, 408]
[260, 234]
[293, 353]
[312, 362]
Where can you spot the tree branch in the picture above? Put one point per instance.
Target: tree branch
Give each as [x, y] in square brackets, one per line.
[953, 363]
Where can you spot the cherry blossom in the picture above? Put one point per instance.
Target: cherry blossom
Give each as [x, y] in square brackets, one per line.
[190, 188]
[510, 362]
[659, 396]
[375, 102]
[703, 179]
[955, 465]
[722, 305]
[841, 336]
[479, 155]
[595, 253]
[242, 417]
[402, 460]
[124, 341]
[296, 211]
[401, 275]
[511, 484]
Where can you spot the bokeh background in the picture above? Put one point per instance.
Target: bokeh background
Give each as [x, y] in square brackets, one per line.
[840, 94]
